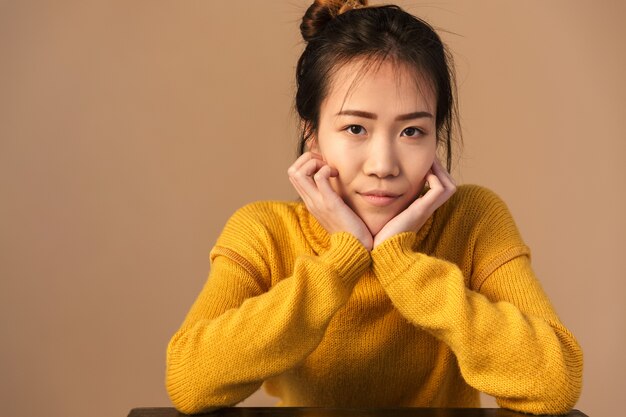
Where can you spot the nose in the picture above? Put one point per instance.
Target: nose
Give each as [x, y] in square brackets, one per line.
[382, 159]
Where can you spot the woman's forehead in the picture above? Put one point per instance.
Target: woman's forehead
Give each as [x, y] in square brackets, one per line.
[359, 80]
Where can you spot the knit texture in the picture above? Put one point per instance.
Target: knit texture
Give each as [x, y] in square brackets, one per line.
[426, 319]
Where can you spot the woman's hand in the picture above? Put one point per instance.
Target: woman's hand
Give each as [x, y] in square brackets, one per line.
[442, 187]
[310, 176]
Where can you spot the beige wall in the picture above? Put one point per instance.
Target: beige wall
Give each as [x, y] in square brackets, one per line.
[129, 131]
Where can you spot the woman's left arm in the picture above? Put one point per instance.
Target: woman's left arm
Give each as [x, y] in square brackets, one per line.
[507, 339]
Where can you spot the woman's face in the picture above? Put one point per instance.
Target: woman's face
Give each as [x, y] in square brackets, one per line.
[379, 133]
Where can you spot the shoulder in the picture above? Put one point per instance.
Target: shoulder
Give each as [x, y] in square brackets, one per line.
[254, 232]
[473, 205]
[259, 220]
[265, 213]
[264, 228]
[476, 230]
[478, 220]
[476, 201]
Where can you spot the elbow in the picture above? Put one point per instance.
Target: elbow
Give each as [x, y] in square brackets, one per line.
[548, 403]
[190, 396]
[563, 384]
[540, 406]
[566, 388]
[568, 394]
[192, 407]
[195, 388]
[189, 392]
[557, 395]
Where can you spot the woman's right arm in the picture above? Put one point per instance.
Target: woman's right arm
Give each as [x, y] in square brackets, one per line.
[239, 332]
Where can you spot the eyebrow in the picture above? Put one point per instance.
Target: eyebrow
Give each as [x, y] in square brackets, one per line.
[368, 115]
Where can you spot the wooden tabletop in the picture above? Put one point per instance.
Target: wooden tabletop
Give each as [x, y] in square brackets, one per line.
[341, 412]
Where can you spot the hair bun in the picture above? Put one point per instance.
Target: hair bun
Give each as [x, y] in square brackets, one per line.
[321, 12]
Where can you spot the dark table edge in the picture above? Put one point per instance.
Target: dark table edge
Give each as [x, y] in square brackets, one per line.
[172, 412]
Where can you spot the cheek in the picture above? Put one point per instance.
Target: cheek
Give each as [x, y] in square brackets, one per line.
[347, 172]
[418, 167]
[337, 157]
[339, 183]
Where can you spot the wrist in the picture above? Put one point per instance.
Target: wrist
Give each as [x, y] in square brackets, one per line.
[348, 255]
[393, 256]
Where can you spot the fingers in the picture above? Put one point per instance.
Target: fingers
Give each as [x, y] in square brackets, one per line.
[444, 177]
[301, 172]
[310, 175]
[307, 165]
[322, 175]
[299, 178]
[441, 188]
[441, 184]
[303, 159]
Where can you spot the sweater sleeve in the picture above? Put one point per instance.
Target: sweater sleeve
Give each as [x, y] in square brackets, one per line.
[506, 337]
[239, 332]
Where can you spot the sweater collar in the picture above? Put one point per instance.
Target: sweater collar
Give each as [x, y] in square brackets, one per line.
[319, 238]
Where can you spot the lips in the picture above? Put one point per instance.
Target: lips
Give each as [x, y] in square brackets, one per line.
[379, 198]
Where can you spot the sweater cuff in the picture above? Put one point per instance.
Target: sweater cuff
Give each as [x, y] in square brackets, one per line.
[394, 256]
[349, 258]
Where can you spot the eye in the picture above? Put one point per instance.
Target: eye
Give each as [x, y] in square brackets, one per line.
[355, 129]
[412, 132]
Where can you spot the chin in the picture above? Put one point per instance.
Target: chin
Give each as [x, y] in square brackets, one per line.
[376, 223]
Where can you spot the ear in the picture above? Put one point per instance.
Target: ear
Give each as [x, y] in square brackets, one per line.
[311, 143]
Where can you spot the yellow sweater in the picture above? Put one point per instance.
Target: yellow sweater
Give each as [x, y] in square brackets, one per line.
[425, 319]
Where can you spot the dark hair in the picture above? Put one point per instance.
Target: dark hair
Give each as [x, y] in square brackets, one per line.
[339, 31]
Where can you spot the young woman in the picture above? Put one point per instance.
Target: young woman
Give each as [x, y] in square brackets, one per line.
[386, 285]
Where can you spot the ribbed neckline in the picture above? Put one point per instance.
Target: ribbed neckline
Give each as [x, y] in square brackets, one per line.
[319, 238]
